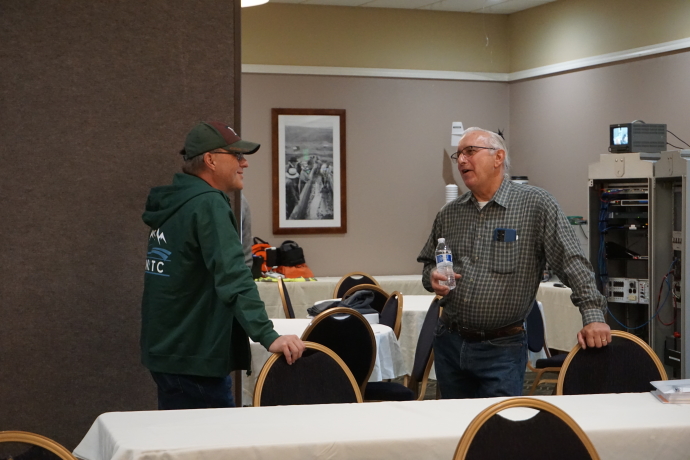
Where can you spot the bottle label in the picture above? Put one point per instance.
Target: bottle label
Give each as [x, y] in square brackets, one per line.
[440, 258]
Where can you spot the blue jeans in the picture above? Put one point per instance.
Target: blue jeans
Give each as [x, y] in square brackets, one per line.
[177, 391]
[479, 369]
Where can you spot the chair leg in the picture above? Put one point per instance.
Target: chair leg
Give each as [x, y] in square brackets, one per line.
[537, 379]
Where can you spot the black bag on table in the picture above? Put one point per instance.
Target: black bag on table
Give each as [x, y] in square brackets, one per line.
[290, 254]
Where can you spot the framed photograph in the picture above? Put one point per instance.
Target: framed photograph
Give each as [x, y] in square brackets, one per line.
[309, 171]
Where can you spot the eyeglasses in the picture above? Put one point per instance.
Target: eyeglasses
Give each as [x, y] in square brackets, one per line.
[469, 151]
[239, 156]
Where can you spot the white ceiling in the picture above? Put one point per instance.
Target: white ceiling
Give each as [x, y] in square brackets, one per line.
[467, 6]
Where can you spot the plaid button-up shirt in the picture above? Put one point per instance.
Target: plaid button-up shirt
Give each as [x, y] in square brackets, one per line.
[500, 279]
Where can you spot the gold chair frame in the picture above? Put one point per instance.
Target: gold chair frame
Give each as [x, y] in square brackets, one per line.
[540, 372]
[486, 414]
[614, 333]
[337, 286]
[37, 440]
[547, 370]
[282, 291]
[398, 318]
[261, 379]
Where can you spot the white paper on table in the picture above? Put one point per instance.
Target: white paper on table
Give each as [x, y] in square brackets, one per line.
[672, 386]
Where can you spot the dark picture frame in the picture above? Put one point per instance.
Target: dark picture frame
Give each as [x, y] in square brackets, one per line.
[309, 192]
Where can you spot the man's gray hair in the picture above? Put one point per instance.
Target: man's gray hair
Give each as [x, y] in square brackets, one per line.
[495, 141]
[194, 165]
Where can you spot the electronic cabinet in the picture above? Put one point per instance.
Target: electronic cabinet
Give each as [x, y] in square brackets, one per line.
[620, 242]
[638, 222]
[670, 249]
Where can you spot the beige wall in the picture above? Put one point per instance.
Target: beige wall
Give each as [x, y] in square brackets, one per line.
[574, 29]
[560, 124]
[398, 137]
[307, 35]
[398, 132]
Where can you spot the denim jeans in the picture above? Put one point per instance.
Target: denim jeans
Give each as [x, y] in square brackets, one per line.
[177, 391]
[479, 369]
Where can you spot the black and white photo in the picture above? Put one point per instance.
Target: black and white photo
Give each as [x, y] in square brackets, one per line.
[308, 171]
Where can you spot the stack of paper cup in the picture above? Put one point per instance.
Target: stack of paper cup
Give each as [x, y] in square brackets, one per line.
[451, 192]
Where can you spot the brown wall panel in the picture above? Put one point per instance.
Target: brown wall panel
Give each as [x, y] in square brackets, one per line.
[95, 100]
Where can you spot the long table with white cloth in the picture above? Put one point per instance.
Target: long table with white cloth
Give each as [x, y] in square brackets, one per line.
[389, 358]
[563, 319]
[621, 427]
[303, 294]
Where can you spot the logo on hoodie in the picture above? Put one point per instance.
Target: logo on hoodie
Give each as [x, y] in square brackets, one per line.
[157, 257]
[158, 235]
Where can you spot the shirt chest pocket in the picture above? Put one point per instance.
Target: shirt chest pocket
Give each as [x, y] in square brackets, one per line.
[504, 256]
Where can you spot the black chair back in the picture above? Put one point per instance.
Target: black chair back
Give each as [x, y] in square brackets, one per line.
[626, 365]
[425, 342]
[285, 299]
[351, 280]
[391, 313]
[318, 377]
[548, 434]
[423, 360]
[350, 336]
[535, 329]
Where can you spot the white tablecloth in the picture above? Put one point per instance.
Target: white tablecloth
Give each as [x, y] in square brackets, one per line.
[415, 308]
[304, 294]
[563, 319]
[389, 358]
[621, 426]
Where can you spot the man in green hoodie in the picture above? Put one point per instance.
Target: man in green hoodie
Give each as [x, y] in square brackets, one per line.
[200, 303]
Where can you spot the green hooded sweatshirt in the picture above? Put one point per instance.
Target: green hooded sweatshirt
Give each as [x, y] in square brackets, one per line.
[200, 302]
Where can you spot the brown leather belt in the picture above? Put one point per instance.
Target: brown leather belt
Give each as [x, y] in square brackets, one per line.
[477, 335]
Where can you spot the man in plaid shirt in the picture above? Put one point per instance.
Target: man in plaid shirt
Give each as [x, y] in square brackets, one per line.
[501, 235]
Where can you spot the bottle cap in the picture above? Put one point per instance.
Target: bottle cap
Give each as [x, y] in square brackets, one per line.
[441, 240]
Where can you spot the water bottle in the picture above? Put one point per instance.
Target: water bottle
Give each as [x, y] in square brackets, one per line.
[444, 263]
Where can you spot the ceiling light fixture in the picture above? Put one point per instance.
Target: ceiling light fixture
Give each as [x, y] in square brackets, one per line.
[246, 3]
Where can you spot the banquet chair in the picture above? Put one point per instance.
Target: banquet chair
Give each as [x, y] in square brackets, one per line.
[380, 296]
[626, 365]
[22, 445]
[285, 298]
[391, 314]
[350, 280]
[536, 342]
[318, 377]
[349, 335]
[551, 433]
[415, 384]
